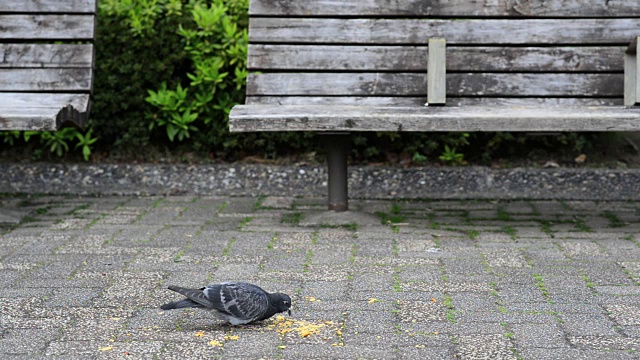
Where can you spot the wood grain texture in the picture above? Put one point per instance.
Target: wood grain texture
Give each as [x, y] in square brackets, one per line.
[42, 111]
[46, 55]
[44, 80]
[248, 118]
[462, 31]
[420, 101]
[411, 58]
[48, 6]
[60, 27]
[35, 101]
[518, 8]
[458, 84]
[437, 74]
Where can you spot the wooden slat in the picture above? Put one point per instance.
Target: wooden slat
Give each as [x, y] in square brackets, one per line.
[463, 31]
[437, 74]
[246, 118]
[42, 111]
[411, 58]
[44, 100]
[48, 6]
[46, 55]
[539, 8]
[459, 84]
[62, 27]
[45, 80]
[420, 101]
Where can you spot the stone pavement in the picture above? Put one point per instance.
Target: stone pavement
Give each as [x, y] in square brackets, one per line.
[82, 278]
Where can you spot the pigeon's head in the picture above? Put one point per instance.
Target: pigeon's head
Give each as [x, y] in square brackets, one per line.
[282, 302]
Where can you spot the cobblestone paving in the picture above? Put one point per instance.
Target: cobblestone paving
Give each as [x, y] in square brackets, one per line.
[82, 278]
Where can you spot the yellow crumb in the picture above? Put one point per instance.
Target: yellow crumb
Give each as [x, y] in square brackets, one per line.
[215, 343]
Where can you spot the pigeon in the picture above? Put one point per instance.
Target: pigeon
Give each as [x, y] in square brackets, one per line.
[238, 303]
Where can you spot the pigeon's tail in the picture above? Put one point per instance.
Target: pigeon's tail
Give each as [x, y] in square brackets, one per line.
[185, 303]
[195, 298]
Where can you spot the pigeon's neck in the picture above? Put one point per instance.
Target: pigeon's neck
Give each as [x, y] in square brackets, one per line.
[272, 309]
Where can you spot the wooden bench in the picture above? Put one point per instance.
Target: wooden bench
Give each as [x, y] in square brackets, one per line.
[369, 65]
[46, 62]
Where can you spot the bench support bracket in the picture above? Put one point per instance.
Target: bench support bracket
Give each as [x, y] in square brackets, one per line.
[632, 75]
[337, 146]
[437, 72]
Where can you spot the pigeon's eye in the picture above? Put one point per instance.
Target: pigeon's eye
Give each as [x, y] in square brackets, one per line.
[285, 302]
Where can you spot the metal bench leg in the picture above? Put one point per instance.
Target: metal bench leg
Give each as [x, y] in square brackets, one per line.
[337, 153]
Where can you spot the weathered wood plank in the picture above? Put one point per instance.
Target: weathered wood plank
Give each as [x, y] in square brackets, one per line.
[46, 55]
[35, 101]
[437, 74]
[411, 58]
[48, 6]
[60, 27]
[40, 122]
[458, 84]
[420, 101]
[247, 118]
[45, 79]
[518, 8]
[464, 31]
[31, 115]
[631, 74]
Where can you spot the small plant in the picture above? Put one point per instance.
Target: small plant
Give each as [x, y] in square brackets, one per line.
[545, 226]
[451, 311]
[272, 244]
[503, 215]
[227, 249]
[245, 221]
[450, 156]
[418, 158]
[614, 220]
[57, 141]
[540, 284]
[85, 141]
[581, 225]
[509, 231]
[293, 218]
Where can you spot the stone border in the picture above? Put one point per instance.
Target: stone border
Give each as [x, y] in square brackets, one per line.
[364, 182]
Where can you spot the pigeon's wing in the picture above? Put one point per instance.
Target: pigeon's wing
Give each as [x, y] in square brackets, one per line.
[240, 300]
[196, 295]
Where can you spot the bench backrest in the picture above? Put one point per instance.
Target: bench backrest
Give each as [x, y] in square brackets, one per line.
[372, 52]
[46, 48]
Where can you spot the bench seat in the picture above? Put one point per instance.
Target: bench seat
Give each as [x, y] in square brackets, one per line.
[250, 118]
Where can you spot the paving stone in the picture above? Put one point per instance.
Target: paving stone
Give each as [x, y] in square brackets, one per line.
[605, 342]
[624, 314]
[548, 335]
[484, 346]
[587, 324]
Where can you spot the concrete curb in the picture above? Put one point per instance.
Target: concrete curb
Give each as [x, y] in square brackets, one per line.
[364, 182]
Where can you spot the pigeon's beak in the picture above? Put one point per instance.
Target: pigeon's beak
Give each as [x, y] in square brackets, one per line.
[289, 312]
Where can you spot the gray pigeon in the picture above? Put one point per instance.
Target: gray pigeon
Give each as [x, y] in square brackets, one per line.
[235, 302]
